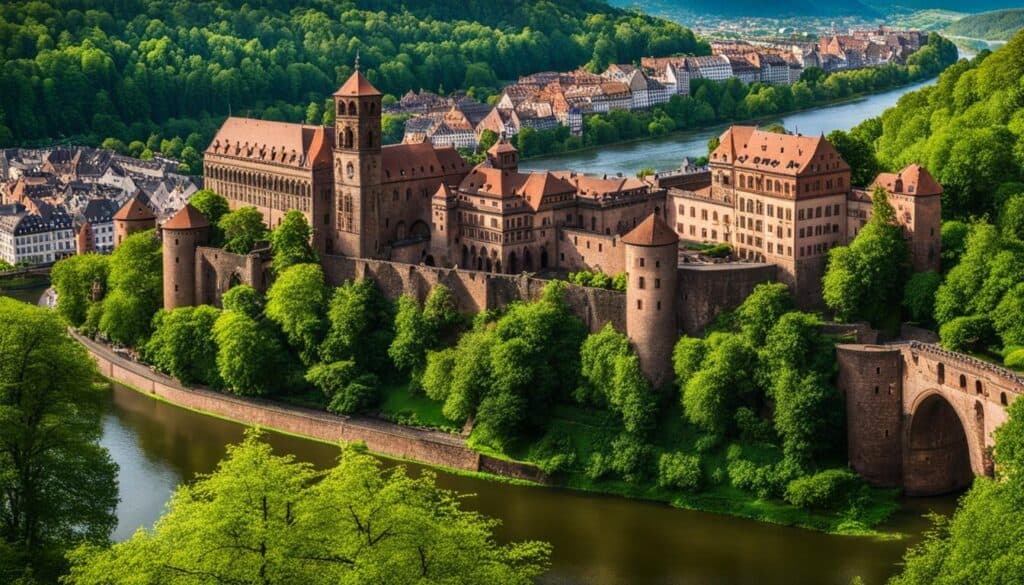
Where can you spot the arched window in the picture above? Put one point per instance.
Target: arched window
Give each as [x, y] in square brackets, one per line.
[941, 371]
[977, 387]
[1002, 398]
[352, 108]
[963, 381]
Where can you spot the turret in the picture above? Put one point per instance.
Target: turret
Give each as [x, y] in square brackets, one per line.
[652, 258]
[182, 234]
[870, 377]
[135, 216]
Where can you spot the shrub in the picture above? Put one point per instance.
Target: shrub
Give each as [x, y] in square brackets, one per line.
[967, 333]
[348, 392]
[630, 457]
[553, 453]
[599, 466]
[765, 480]
[718, 251]
[619, 281]
[752, 427]
[826, 490]
[679, 470]
[1015, 360]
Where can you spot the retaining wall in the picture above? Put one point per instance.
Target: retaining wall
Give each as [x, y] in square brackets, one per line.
[430, 447]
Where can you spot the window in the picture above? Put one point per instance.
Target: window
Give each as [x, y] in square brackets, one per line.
[657, 282]
[977, 387]
[640, 283]
[963, 381]
[941, 371]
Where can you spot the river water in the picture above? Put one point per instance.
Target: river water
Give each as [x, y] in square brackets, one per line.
[597, 540]
[667, 152]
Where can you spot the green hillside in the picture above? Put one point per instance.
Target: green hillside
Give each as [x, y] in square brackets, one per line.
[682, 10]
[993, 26]
[87, 69]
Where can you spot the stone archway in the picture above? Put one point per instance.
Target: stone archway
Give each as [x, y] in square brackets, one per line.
[936, 456]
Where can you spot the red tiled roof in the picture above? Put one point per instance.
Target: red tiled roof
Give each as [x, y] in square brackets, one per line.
[188, 218]
[296, 145]
[915, 179]
[750, 148]
[652, 231]
[135, 210]
[357, 85]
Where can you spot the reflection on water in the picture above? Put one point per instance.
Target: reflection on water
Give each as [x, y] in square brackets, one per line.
[597, 539]
[668, 151]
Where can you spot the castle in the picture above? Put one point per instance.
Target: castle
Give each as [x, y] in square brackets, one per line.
[782, 201]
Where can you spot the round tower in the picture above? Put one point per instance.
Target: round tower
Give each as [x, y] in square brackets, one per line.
[652, 258]
[135, 216]
[182, 234]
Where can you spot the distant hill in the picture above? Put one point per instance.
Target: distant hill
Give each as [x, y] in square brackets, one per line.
[972, 6]
[1000, 25]
[681, 10]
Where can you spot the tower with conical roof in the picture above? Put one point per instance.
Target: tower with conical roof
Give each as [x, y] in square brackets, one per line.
[134, 216]
[182, 234]
[652, 259]
[357, 167]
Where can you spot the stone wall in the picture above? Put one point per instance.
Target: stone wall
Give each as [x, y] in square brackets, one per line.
[920, 417]
[431, 447]
[705, 290]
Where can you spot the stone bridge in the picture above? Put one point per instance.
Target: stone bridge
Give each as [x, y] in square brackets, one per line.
[921, 418]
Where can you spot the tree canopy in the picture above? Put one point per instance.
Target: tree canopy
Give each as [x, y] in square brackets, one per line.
[264, 518]
[58, 487]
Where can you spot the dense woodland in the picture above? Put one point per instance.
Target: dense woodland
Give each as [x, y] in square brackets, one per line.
[968, 130]
[1000, 25]
[145, 71]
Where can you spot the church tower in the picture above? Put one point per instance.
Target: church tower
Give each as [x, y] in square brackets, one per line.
[357, 167]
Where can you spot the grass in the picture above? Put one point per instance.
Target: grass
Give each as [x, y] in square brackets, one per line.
[400, 405]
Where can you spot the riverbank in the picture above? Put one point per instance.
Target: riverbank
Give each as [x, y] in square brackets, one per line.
[451, 453]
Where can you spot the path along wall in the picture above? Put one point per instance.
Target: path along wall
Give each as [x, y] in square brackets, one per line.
[430, 447]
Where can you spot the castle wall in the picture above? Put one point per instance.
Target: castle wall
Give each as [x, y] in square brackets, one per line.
[871, 379]
[706, 290]
[583, 250]
[217, 271]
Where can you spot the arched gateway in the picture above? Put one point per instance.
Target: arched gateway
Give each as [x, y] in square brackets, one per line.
[921, 418]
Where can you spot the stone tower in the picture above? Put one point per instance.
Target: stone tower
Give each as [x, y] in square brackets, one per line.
[652, 258]
[182, 234]
[357, 167]
[871, 379]
[135, 216]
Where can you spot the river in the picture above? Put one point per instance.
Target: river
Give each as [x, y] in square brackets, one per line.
[667, 152]
[597, 540]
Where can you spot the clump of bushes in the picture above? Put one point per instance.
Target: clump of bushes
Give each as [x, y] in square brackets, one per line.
[718, 251]
[679, 470]
[967, 333]
[831, 489]
[553, 453]
[599, 280]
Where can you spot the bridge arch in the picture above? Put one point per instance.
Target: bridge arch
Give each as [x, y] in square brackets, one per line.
[937, 455]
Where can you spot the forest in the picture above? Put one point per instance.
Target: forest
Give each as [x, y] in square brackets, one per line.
[999, 25]
[968, 131]
[82, 71]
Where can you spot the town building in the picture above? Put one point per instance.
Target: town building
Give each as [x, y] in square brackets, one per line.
[42, 234]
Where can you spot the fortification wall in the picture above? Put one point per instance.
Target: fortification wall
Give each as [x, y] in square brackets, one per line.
[217, 271]
[431, 447]
[706, 290]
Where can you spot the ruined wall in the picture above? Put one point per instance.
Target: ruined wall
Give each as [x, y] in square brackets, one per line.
[217, 271]
[706, 290]
[475, 291]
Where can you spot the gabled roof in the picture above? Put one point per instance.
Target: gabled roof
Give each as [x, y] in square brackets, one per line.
[135, 210]
[652, 232]
[189, 218]
[788, 154]
[913, 180]
[296, 145]
[356, 86]
[405, 162]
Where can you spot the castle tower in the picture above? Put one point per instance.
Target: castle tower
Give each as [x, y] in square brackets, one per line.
[444, 226]
[135, 216]
[652, 258]
[503, 155]
[357, 166]
[182, 234]
[871, 379]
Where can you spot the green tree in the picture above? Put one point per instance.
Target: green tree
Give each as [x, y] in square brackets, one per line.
[296, 302]
[58, 487]
[919, 296]
[361, 327]
[74, 279]
[290, 242]
[247, 354]
[242, 229]
[762, 309]
[182, 344]
[347, 391]
[244, 299]
[211, 205]
[262, 518]
[712, 394]
[135, 285]
[441, 314]
[408, 349]
[859, 154]
[865, 279]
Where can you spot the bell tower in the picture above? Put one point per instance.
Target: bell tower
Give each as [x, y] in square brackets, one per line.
[357, 167]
